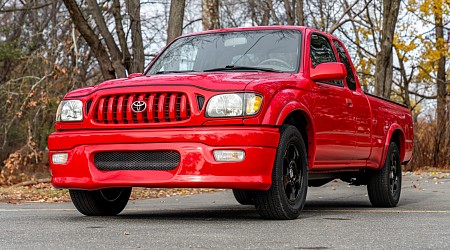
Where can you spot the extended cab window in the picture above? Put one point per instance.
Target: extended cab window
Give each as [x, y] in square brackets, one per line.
[351, 82]
[322, 52]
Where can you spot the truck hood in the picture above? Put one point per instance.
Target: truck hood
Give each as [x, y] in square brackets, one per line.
[217, 81]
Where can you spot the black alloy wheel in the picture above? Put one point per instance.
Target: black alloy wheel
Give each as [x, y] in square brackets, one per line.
[287, 195]
[384, 186]
[292, 173]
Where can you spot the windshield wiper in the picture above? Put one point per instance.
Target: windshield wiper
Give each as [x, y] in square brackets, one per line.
[234, 67]
[175, 71]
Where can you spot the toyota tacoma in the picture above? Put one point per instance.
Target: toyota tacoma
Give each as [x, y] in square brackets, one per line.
[265, 111]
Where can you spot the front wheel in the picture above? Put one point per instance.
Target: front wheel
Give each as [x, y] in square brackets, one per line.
[286, 197]
[385, 185]
[103, 202]
[244, 196]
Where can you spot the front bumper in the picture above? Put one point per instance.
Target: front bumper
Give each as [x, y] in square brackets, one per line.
[197, 167]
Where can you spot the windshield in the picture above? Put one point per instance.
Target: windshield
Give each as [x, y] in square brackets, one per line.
[257, 50]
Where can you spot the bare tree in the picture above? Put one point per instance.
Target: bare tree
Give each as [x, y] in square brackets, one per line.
[113, 60]
[383, 67]
[126, 57]
[289, 7]
[441, 112]
[92, 39]
[115, 54]
[175, 25]
[210, 14]
[134, 11]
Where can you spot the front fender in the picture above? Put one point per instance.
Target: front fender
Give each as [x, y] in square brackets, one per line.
[278, 117]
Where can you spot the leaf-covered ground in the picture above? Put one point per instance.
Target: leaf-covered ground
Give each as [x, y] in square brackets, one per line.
[44, 192]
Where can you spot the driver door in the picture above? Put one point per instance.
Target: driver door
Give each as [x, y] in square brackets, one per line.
[333, 111]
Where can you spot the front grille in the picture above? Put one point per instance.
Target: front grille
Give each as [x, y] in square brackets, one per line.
[137, 160]
[159, 107]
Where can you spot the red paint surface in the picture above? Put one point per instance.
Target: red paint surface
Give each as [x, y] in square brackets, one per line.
[346, 129]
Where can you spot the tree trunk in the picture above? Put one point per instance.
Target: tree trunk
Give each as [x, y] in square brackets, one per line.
[383, 66]
[116, 55]
[290, 11]
[176, 16]
[405, 79]
[210, 14]
[441, 113]
[126, 57]
[300, 13]
[134, 11]
[266, 12]
[91, 39]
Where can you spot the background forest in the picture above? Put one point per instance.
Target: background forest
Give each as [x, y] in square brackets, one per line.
[400, 49]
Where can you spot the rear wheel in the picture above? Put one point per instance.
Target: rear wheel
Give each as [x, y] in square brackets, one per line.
[286, 197]
[384, 186]
[103, 202]
[243, 196]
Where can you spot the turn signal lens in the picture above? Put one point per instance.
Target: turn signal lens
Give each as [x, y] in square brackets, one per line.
[253, 103]
[60, 158]
[229, 155]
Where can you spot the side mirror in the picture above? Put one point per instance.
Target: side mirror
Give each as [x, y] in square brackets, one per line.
[328, 72]
[134, 75]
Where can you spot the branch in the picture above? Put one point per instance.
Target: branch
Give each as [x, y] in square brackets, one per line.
[38, 181]
[423, 96]
[27, 8]
[191, 22]
[340, 22]
[22, 108]
[432, 77]
[358, 45]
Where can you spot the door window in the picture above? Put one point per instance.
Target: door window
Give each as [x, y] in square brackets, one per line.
[322, 52]
[351, 82]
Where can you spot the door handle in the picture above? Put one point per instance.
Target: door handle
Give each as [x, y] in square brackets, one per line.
[349, 103]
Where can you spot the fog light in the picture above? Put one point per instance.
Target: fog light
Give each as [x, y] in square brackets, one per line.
[229, 155]
[60, 158]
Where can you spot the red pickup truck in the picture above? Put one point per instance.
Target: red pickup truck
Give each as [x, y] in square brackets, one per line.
[265, 111]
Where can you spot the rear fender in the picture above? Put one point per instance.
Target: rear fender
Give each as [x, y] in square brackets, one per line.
[394, 127]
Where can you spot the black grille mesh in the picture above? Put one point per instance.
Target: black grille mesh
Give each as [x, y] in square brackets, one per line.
[137, 160]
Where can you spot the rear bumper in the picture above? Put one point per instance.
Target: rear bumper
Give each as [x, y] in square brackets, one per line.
[197, 167]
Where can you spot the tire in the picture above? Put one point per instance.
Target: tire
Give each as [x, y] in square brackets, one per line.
[384, 186]
[103, 202]
[243, 196]
[286, 197]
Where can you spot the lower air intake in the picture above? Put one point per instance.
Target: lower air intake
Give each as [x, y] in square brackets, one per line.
[137, 160]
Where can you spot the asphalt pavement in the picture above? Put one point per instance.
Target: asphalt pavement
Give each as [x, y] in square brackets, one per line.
[336, 216]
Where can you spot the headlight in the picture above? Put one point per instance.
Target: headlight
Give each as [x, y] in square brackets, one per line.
[238, 104]
[70, 110]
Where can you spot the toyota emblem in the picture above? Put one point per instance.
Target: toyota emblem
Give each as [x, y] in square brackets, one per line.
[138, 106]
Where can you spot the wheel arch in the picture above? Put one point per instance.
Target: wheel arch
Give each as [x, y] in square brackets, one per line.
[397, 135]
[297, 115]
